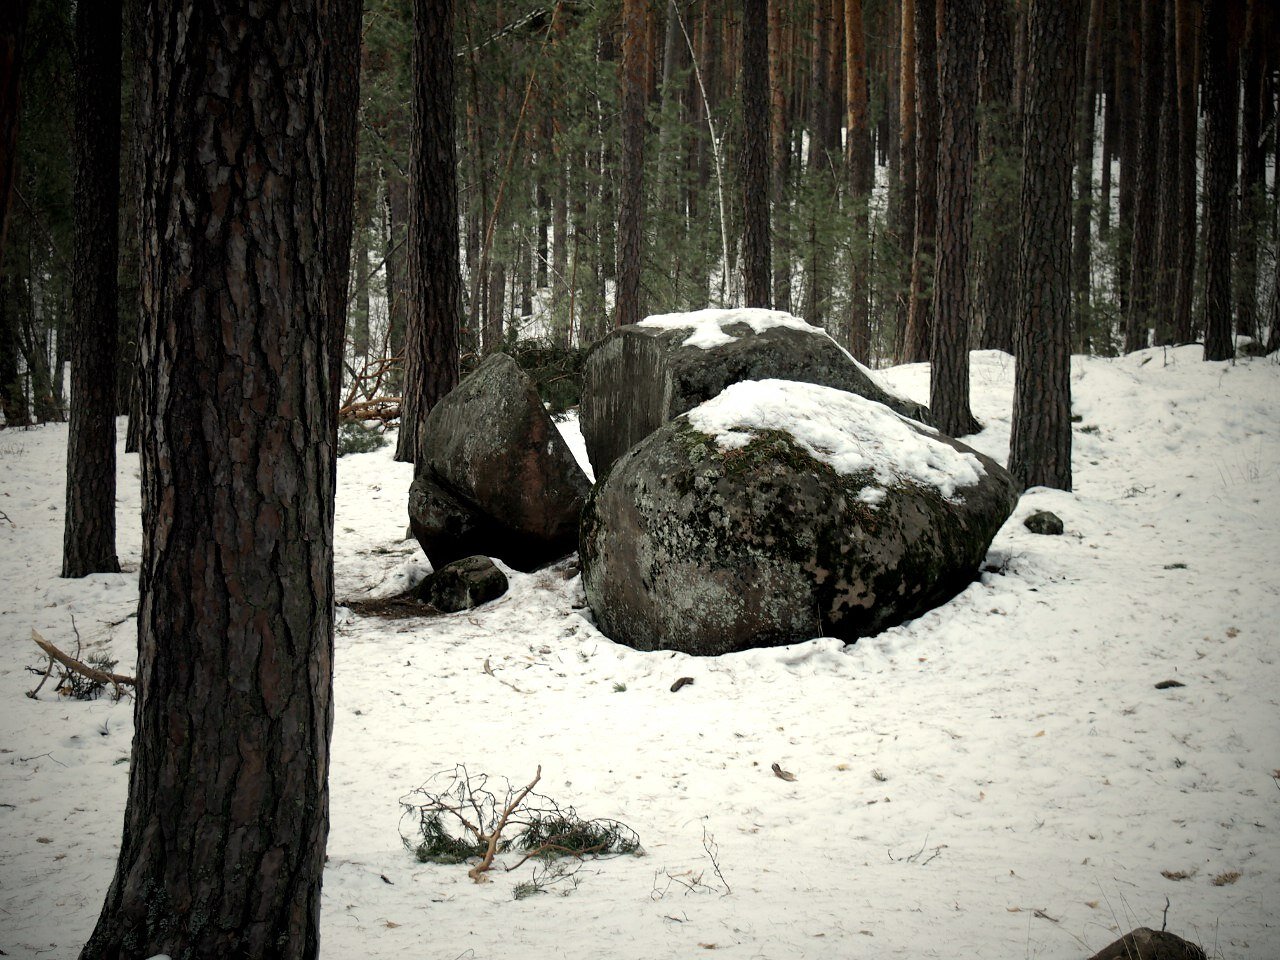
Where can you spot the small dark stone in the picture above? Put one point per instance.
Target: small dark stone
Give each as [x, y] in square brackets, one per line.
[1147, 944]
[1252, 348]
[463, 584]
[1044, 522]
[1169, 684]
[682, 682]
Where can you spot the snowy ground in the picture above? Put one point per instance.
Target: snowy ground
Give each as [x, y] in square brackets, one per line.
[999, 778]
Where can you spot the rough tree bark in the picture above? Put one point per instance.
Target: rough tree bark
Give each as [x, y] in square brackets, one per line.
[1040, 445]
[13, 22]
[905, 214]
[861, 173]
[1188, 119]
[631, 189]
[227, 811]
[435, 275]
[1168, 223]
[1082, 239]
[1138, 315]
[89, 527]
[958, 131]
[755, 154]
[1222, 25]
[919, 320]
[999, 168]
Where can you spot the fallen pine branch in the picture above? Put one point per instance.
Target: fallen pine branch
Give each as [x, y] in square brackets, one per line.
[117, 680]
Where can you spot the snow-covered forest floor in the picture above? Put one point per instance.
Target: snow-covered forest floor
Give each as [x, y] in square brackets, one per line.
[999, 778]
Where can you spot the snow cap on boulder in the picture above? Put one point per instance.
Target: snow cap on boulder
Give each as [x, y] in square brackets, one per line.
[643, 375]
[780, 511]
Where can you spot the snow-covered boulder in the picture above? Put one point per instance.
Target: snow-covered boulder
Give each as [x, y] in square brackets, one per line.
[498, 478]
[643, 375]
[781, 511]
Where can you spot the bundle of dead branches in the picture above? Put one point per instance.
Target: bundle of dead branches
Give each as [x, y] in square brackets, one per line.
[456, 817]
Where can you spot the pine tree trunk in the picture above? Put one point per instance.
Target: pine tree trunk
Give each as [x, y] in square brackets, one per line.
[1252, 173]
[397, 272]
[861, 172]
[755, 154]
[1128, 54]
[1188, 120]
[631, 205]
[1082, 239]
[1040, 444]
[999, 172]
[904, 219]
[1138, 316]
[1168, 223]
[780, 144]
[919, 319]
[227, 811]
[435, 278]
[1221, 26]
[958, 130]
[89, 530]
[13, 22]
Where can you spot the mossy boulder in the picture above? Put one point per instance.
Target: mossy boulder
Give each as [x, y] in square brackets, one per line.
[498, 479]
[644, 375]
[814, 513]
[463, 584]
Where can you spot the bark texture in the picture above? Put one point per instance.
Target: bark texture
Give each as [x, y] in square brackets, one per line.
[631, 198]
[958, 129]
[1040, 445]
[1138, 315]
[919, 320]
[89, 527]
[227, 811]
[13, 22]
[1222, 19]
[435, 275]
[999, 163]
[1184, 285]
[861, 172]
[755, 154]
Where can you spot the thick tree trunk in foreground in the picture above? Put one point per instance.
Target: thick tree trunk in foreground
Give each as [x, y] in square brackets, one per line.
[631, 199]
[1040, 445]
[958, 131]
[227, 812]
[435, 275]
[89, 528]
[755, 154]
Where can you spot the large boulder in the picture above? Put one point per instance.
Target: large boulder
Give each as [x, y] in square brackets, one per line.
[497, 479]
[782, 511]
[645, 374]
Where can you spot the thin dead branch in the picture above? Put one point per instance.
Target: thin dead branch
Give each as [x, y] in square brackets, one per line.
[117, 680]
[491, 841]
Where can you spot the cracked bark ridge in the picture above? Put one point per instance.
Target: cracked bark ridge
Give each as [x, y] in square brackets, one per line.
[89, 528]
[227, 811]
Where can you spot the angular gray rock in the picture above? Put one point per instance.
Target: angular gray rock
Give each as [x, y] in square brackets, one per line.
[498, 479]
[643, 375]
[779, 512]
[463, 584]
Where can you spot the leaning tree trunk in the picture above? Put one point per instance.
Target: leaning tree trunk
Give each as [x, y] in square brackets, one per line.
[435, 275]
[227, 811]
[89, 528]
[958, 130]
[1040, 445]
